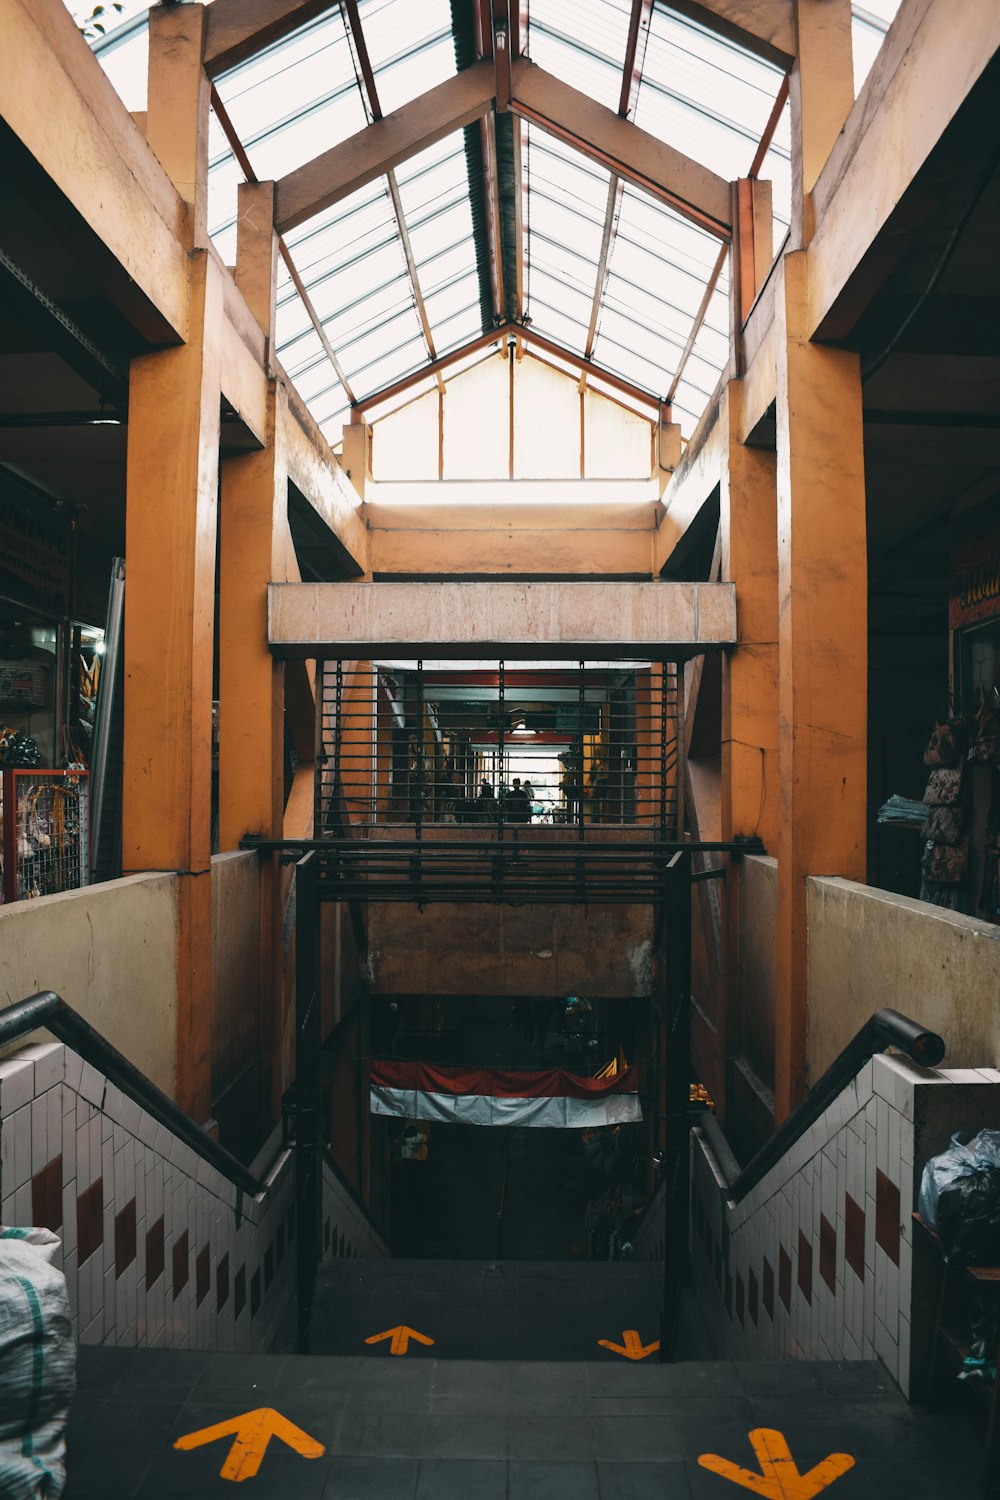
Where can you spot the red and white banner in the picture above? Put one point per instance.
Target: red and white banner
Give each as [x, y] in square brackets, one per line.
[547, 1097]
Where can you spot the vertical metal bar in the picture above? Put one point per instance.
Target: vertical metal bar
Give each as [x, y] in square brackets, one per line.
[420, 752]
[581, 710]
[663, 751]
[338, 739]
[501, 711]
[308, 1170]
[676, 1196]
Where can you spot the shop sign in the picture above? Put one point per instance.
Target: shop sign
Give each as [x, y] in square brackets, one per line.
[974, 594]
[34, 558]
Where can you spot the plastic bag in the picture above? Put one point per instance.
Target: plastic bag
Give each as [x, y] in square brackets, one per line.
[963, 1157]
[969, 1219]
[37, 1366]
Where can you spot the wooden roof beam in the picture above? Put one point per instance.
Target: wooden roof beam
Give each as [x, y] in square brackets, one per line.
[620, 147]
[380, 147]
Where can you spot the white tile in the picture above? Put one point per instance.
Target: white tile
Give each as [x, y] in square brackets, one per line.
[19, 1124]
[92, 1085]
[83, 1170]
[22, 1207]
[48, 1058]
[73, 1067]
[39, 1132]
[17, 1084]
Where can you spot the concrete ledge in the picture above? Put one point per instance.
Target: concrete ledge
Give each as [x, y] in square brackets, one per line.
[461, 620]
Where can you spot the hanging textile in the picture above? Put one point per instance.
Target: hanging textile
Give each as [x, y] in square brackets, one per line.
[548, 1097]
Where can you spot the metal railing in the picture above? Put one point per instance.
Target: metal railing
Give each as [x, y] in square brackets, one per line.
[49, 1010]
[886, 1028]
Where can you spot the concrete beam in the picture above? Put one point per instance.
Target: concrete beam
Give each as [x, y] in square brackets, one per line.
[931, 59]
[345, 168]
[621, 147]
[554, 540]
[691, 486]
[65, 111]
[314, 470]
[236, 29]
[463, 620]
[764, 27]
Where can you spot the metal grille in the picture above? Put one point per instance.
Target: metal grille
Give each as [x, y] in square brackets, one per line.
[576, 749]
[46, 833]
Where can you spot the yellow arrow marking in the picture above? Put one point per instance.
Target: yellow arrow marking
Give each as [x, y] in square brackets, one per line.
[633, 1347]
[401, 1336]
[779, 1477]
[253, 1431]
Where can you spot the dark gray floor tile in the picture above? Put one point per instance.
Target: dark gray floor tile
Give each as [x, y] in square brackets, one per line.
[537, 1480]
[473, 1436]
[559, 1438]
[370, 1479]
[461, 1479]
[643, 1481]
[619, 1439]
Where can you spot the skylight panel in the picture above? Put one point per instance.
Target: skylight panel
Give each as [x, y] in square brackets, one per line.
[295, 97]
[869, 24]
[581, 42]
[704, 94]
[410, 46]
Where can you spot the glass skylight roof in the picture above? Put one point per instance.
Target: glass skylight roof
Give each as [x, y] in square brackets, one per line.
[305, 93]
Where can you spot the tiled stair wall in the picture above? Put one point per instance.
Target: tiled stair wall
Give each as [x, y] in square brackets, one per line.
[158, 1248]
[818, 1262]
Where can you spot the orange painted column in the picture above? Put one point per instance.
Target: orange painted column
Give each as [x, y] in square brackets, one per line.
[748, 535]
[822, 645]
[170, 530]
[749, 799]
[821, 94]
[171, 518]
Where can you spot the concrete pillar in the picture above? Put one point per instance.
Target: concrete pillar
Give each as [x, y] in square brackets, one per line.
[748, 536]
[822, 644]
[171, 520]
[821, 93]
[257, 253]
[753, 241]
[357, 453]
[177, 107]
[253, 524]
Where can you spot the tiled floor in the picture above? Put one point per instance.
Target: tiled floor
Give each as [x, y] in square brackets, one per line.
[403, 1428]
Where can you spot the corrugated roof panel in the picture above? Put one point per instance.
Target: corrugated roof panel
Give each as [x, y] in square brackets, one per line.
[703, 94]
[582, 42]
[296, 97]
[410, 46]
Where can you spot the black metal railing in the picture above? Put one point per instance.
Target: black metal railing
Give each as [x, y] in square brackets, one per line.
[886, 1028]
[527, 866]
[49, 1010]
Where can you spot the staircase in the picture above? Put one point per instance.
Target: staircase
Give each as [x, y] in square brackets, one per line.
[422, 1427]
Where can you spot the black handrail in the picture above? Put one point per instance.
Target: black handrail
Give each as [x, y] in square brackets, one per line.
[50, 1010]
[886, 1028]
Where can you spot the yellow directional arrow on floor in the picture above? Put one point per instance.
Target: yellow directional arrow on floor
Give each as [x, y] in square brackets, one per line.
[252, 1431]
[401, 1336]
[633, 1347]
[779, 1477]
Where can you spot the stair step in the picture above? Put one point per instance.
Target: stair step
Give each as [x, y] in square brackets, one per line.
[413, 1428]
[527, 1310]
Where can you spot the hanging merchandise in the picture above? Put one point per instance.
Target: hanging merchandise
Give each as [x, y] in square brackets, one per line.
[984, 745]
[944, 746]
[944, 788]
[18, 750]
[946, 864]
